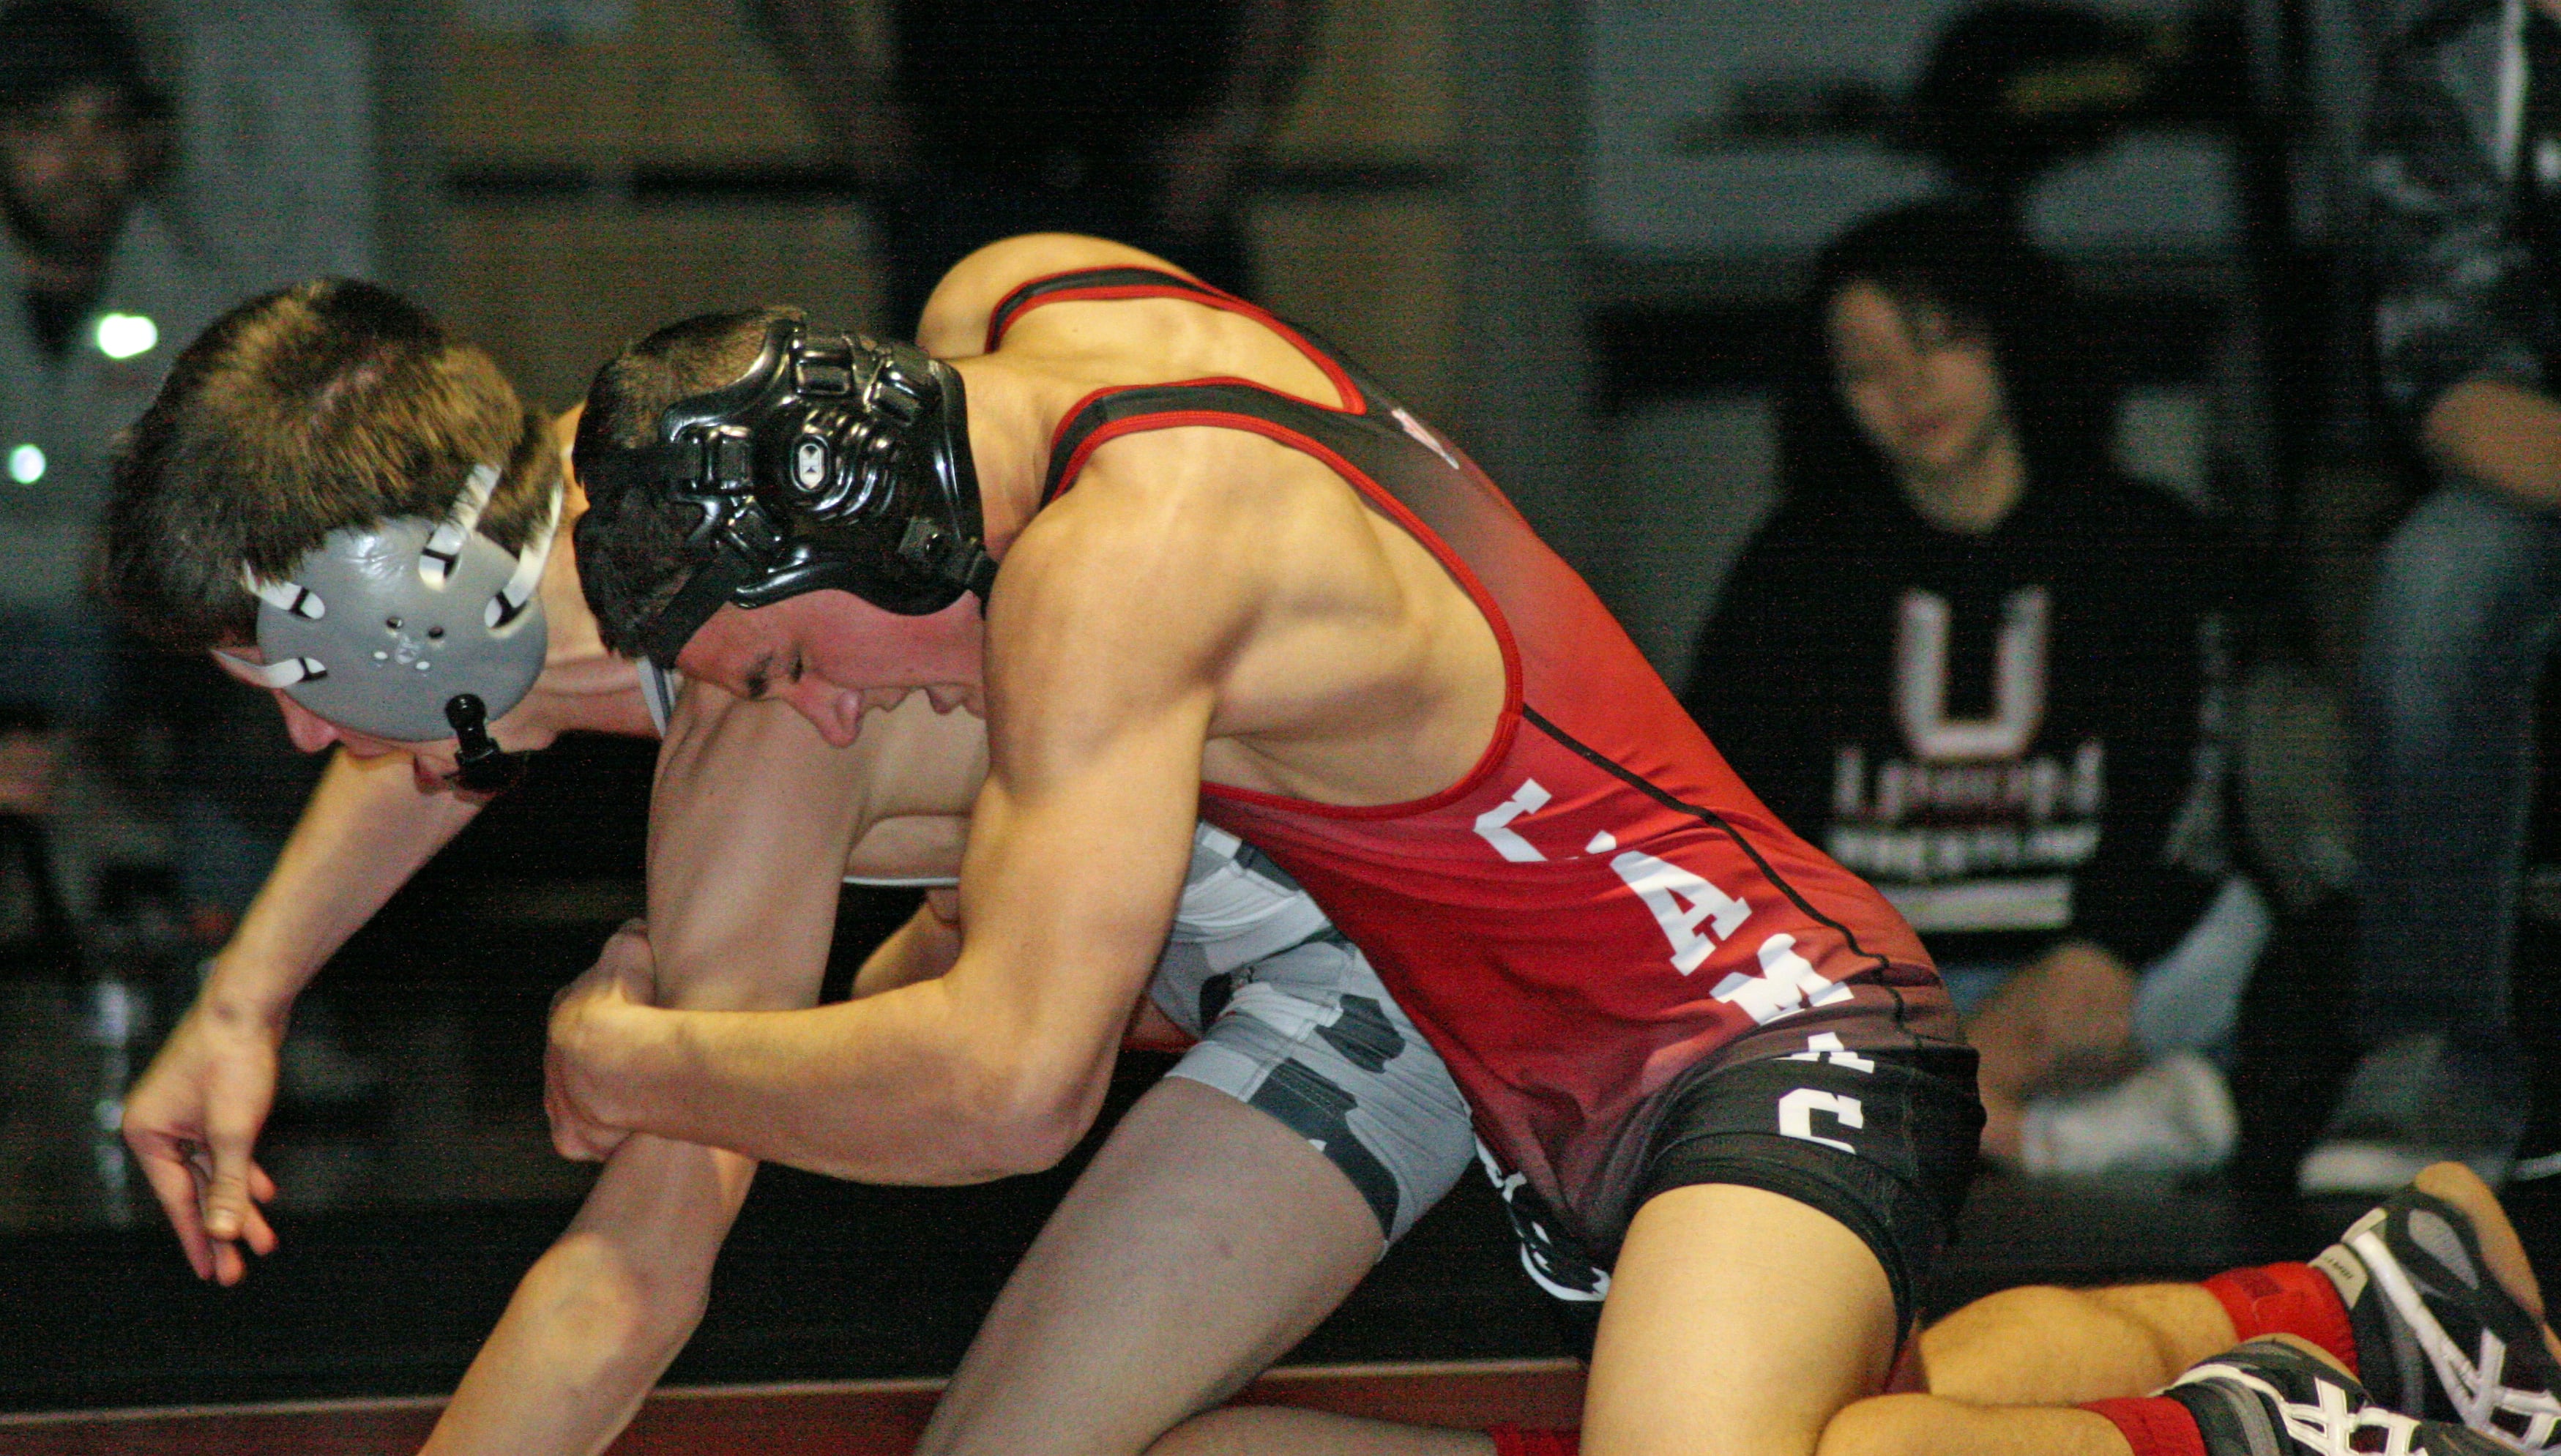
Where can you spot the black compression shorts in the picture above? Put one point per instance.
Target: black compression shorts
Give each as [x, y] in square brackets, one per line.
[1882, 1140]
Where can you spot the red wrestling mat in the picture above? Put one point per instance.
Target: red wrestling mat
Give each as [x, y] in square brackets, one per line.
[847, 1419]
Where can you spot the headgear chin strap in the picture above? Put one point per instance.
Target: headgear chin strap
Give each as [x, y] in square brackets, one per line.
[838, 461]
[383, 628]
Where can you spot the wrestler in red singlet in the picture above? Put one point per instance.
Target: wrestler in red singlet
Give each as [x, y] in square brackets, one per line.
[1600, 906]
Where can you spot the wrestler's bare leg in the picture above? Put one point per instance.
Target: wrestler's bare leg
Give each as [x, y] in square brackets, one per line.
[2060, 1346]
[1933, 1426]
[1930, 1425]
[1201, 1245]
[1709, 1341]
[1737, 1320]
[2044, 1346]
[2054, 1348]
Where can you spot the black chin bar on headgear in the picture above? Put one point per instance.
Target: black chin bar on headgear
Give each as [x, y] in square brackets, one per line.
[481, 767]
[836, 463]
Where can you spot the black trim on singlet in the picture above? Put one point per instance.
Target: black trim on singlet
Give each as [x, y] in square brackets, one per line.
[1716, 821]
[1215, 395]
[1211, 396]
[1001, 318]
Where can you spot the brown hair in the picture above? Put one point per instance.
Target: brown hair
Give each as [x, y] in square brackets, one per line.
[321, 407]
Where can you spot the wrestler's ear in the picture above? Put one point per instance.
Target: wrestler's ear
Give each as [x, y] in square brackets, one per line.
[310, 730]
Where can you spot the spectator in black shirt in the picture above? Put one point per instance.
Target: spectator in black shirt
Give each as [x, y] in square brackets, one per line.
[1987, 672]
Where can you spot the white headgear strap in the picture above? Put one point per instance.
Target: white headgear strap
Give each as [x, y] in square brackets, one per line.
[444, 544]
[511, 598]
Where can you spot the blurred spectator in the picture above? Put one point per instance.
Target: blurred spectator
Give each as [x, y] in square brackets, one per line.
[972, 120]
[106, 293]
[1989, 673]
[2465, 173]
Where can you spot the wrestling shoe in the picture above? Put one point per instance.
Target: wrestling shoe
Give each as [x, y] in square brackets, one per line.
[2436, 1334]
[2269, 1398]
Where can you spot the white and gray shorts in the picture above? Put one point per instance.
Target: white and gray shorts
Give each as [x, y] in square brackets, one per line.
[1305, 1030]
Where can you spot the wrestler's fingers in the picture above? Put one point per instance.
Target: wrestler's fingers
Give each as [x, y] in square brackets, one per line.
[255, 1231]
[581, 1141]
[564, 1122]
[173, 1181]
[227, 1207]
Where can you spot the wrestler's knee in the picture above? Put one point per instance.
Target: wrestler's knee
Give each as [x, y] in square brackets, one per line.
[1985, 1351]
[2045, 1344]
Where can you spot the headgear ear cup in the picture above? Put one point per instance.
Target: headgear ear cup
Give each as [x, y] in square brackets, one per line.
[377, 628]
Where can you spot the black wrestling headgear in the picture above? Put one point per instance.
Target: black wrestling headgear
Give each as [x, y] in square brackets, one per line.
[838, 461]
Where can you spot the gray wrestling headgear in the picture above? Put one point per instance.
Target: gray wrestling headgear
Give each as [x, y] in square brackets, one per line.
[382, 628]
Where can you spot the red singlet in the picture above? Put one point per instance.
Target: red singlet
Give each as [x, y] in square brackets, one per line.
[1599, 906]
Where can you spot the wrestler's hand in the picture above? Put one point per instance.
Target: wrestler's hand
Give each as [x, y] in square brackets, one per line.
[584, 1019]
[192, 1121]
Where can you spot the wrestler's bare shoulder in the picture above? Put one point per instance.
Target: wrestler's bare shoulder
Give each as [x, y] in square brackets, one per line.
[1082, 345]
[1344, 664]
[1216, 510]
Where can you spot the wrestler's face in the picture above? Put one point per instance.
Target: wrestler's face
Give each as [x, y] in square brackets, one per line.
[434, 764]
[69, 166]
[835, 657]
[1925, 391]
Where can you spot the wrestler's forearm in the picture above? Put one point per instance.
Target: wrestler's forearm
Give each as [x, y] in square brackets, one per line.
[365, 832]
[598, 1318]
[907, 1086]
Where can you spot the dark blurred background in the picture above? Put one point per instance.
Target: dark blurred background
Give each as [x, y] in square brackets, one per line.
[1574, 233]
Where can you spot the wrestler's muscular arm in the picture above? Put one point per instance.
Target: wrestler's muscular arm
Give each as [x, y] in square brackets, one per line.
[747, 801]
[365, 832]
[1098, 716]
